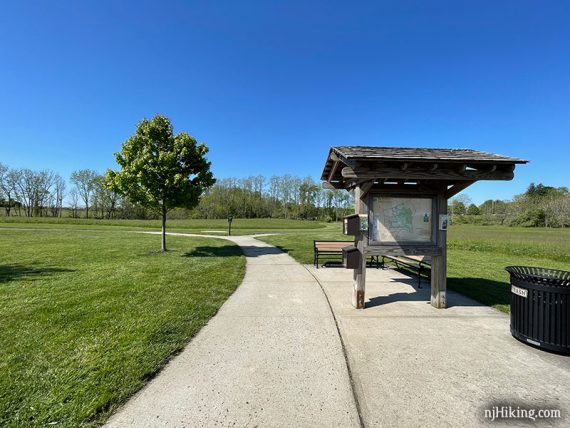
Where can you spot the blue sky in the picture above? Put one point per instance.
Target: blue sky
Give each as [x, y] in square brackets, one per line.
[270, 86]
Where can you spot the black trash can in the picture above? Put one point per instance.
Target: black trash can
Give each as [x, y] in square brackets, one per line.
[540, 307]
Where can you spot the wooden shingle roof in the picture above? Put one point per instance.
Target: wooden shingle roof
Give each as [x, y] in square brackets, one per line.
[346, 163]
[420, 154]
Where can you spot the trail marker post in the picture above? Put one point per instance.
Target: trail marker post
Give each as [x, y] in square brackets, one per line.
[230, 219]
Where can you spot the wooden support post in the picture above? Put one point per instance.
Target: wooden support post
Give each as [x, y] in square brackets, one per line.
[439, 262]
[358, 292]
[360, 241]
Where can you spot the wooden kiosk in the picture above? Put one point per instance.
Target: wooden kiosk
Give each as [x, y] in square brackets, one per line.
[400, 197]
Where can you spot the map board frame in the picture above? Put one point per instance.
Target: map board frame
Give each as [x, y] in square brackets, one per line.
[434, 220]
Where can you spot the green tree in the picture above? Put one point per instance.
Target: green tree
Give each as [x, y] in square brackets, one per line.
[458, 207]
[160, 170]
[473, 210]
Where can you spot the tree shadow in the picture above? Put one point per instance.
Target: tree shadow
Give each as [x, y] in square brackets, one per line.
[281, 249]
[15, 271]
[231, 250]
[209, 251]
[253, 251]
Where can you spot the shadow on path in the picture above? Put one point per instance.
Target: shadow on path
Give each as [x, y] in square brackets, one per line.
[424, 295]
[252, 251]
[231, 250]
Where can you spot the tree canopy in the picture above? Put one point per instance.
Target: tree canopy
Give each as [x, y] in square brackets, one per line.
[160, 170]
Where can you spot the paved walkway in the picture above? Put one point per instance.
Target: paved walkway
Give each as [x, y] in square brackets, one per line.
[270, 357]
[414, 365]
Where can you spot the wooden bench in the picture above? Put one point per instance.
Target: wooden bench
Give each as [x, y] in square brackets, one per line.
[418, 263]
[333, 249]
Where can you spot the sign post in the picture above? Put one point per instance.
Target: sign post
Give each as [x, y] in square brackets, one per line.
[230, 219]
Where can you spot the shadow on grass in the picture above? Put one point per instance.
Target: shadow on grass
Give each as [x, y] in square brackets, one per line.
[486, 291]
[15, 271]
[207, 251]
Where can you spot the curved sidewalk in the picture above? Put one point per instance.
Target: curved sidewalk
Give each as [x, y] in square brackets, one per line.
[270, 357]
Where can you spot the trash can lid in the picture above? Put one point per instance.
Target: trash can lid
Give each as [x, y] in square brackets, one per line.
[539, 275]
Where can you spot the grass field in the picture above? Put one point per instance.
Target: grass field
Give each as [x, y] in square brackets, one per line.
[89, 317]
[239, 226]
[91, 311]
[477, 255]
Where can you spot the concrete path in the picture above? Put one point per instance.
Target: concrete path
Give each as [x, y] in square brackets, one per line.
[414, 365]
[271, 357]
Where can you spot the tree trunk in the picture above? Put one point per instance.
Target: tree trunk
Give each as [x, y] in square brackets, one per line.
[163, 249]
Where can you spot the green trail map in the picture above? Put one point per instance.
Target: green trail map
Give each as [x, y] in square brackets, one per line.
[400, 219]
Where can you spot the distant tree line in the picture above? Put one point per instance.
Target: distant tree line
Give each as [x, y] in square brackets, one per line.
[539, 206]
[31, 193]
[24, 192]
[284, 196]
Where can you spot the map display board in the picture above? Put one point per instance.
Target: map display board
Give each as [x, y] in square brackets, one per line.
[401, 219]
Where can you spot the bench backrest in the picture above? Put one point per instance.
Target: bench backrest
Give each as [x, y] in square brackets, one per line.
[332, 245]
[425, 259]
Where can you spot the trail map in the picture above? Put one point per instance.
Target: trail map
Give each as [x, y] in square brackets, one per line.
[398, 219]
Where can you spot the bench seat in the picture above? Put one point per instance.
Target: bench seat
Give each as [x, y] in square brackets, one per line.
[332, 249]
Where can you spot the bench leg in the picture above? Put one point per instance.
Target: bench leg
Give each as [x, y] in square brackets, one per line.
[316, 259]
[377, 261]
[420, 277]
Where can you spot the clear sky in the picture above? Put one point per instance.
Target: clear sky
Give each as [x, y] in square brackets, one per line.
[271, 85]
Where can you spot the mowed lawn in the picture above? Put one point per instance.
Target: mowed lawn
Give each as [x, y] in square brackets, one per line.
[477, 255]
[87, 317]
[240, 226]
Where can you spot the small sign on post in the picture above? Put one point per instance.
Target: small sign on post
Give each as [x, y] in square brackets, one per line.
[230, 219]
[443, 222]
[351, 225]
[351, 257]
